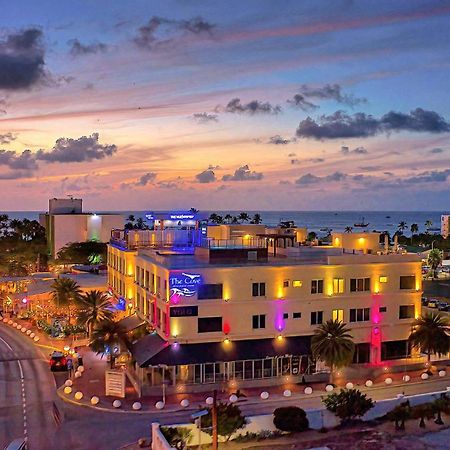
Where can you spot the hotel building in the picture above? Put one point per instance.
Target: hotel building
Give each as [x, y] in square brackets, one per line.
[240, 303]
[445, 225]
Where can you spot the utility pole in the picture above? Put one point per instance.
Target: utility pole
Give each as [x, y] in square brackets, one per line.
[215, 443]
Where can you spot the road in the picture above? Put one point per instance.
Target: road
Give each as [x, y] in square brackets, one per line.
[27, 391]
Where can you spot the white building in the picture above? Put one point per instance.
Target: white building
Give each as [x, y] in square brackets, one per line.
[445, 229]
[65, 222]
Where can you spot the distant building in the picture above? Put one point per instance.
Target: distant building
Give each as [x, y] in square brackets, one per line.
[65, 222]
[445, 228]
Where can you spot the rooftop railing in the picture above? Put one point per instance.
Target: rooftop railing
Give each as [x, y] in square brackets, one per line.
[236, 243]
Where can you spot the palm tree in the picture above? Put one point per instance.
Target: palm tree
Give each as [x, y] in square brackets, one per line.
[348, 230]
[402, 226]
[434, 260]
[414, 229]
[256, 219]
[65, 292]
[228, 218]
[332, 343]
[431, 335]
[428, 224]
[95, 308]
[131, 218]
[215, 218]
[106, 336]
[244, 217]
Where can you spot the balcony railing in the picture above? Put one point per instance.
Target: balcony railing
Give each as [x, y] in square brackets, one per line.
[235, 243]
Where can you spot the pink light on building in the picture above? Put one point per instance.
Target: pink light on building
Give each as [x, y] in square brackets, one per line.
[375, 337]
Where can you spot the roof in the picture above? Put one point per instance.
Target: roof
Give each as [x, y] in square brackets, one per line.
[152, 350]
[130, 323]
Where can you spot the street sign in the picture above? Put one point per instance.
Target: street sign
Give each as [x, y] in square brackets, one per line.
[115, 383]
[201, 413]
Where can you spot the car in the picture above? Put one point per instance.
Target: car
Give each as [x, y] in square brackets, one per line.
[443, 306]
[58, 362]
[432, 303]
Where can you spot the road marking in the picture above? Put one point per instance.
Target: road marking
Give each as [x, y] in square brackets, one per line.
[24, 399]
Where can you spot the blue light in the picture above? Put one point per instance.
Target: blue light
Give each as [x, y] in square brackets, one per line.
[121, 304]
[184, 284]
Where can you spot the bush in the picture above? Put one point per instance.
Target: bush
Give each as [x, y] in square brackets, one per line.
[290, 418]
[229, 420]
[176, 436]
[348, 404]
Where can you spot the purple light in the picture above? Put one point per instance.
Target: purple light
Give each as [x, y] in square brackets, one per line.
[24, 300]
[175, 345]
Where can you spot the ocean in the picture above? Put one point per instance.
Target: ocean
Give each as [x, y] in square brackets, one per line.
[313, 220]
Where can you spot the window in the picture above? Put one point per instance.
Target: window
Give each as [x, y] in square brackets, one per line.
[286, 283]
[316, 286]
[259, 321]
[297, 283]
[359, 315]
[338, 286]
[297, 315]
[209, 291]
[383, 309]
[406, 312]
[408, 282]
[209, 324]
[147, 279]
[338, 314]
[285, 315]
[316, 317]
[383, 279]
[259, 289]
[359, 284]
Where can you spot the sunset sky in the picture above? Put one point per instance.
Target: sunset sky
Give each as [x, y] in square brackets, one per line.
[252, 105]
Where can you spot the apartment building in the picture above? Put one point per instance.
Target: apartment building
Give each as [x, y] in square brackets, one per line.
[445, 225]
[244, 309]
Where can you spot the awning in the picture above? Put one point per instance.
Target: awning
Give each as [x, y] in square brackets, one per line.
[152, 350]
[130, 323]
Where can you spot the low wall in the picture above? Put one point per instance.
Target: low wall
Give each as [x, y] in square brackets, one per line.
[317, 418]
[158, 440]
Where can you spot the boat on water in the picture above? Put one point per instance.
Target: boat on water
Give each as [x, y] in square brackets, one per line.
[388, 217]
[361, 224]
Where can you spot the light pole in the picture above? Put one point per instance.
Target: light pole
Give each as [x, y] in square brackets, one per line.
[163, 367]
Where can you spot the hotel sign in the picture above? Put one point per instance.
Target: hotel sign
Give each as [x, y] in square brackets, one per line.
[184, 311]
[184, 284]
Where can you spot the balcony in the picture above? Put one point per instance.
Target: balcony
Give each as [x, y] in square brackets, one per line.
[236, 243]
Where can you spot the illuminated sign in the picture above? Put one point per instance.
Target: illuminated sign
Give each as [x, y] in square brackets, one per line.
[184, 284]
[184, 311]
[181, 216]
[121, 304]
[150, 217]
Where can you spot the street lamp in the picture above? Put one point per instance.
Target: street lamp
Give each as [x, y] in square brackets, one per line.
[163, 367]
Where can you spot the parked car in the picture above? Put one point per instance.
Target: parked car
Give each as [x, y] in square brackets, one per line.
[58, 362]
[443, 306]
[432, 303]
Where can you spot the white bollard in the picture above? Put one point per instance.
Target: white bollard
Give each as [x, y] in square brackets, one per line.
[159, 405]
[369, 383]
[15, 325]
[184, 403]
[406, 378]
[264, 395]
[78, 395]
[424, 376]
[308, 390]
[117, 403]
[23, 330]
[77, 374]
[442, 373]
[287, 393]
[94, 400]
[80, 369]
[349, 385]
[67, 390]
[233, 398]
[68, 383]
[36, 339]
[136, 406]
[28, 332]
[388, 380]
[32, 335]
[329, 388]
[209, 400]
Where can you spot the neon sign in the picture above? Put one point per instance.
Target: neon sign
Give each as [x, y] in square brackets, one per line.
[182, 216]
[184, 284]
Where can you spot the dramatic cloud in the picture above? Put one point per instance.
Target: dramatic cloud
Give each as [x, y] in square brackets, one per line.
[85, 148]
[309, 178]
[278, 140]
[18, 161]
[6, 138]
[144, 180]
[77, 48]
[299, 101]
[358, 150]
[205, 117]
[254, 107]
[243, 174]
[207, 176]
[22, 60]
[342, 125]
[160, 30]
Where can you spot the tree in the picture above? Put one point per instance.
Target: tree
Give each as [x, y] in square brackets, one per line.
[65, 293]
[348, 404]
[348, 230]
[290, 418]
[140, 224]
[95, 308]
[215, 218]
[402, 226]
[414, 229]
[107, 335]
[256, 219]
[228, 218]
[400, 414]
[435, 257]
[82, 253]
[428, 225]
[244, 217]
[422, 412]
[431, 335]
[229, 420]
[312, 235]
[332, 343]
